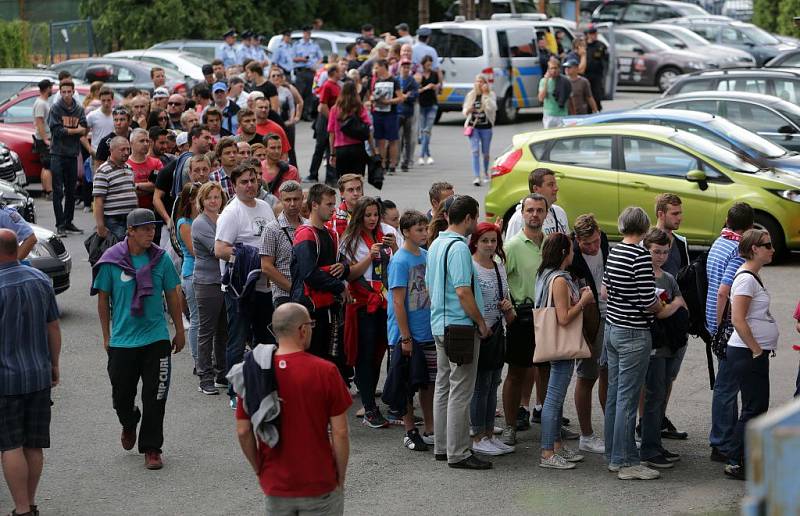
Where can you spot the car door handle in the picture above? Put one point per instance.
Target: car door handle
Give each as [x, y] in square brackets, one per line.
[638, 184]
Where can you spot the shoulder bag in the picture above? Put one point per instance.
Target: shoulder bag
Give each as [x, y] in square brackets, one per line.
[719, 341]
[459, 339]
[556, 342]
[493, 348]
[355, 128]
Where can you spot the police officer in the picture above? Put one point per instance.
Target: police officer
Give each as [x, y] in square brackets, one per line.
[229, 52]
[11, 219]
[596, 65]
[307, 58]
[283, 55]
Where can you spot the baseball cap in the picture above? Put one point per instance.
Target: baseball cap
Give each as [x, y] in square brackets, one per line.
[182, 139]
[208, 69]
[231, 32]
[140, 217]
[160, 93]
[570, 62]
[401, 26]
[247, 34]
[219, 85]
[423, 31]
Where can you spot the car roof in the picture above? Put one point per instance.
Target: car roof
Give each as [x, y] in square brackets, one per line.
[746, 72]
[477, 24]
[728, 95]
[26, 71]
[102, 61]
[711, 19]
[335, 35]
[209, 42]
[644, 114]
[635, 129]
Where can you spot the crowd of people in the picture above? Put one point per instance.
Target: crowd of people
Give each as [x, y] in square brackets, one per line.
[213, 227]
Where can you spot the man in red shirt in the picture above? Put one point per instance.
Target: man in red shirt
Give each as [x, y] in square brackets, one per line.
[305, 471]
[328, 93]
[351, 189]
[264, 125]
[144, 166]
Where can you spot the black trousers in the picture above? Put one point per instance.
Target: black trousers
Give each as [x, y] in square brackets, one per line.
[321, 151]
[598, 91]
[753, 376]
[153, 365]
[304, 81]
[65, 178]
[327, 339]
[351, 159]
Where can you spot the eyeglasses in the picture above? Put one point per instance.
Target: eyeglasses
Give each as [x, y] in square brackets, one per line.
[766, 245]
[310, 324]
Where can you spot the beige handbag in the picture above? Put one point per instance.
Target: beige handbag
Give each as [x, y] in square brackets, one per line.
[556, 342]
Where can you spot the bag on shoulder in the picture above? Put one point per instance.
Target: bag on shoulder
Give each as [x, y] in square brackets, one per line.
[693, 282]
[493, 348]
[557, 342]
[719, 341]
[355, 128]
[459, 339]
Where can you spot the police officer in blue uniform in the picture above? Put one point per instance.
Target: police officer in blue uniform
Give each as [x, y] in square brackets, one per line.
[284, 55]
[229, 52]
[307, 58]
[11, 219]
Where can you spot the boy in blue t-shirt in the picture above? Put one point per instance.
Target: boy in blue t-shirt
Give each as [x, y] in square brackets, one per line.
[409, 324]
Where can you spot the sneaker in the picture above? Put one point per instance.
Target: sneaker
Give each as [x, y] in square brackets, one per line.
[555, 461]
[87, 209]
[500, 445]
[394, 417]
[568, 435]
[413, 441]
[668, 430]
[72, 228]
[421, 162]
[523, 419]
[638, 472]
[485, 447]
[391, 171]
[486, 180]
[509, 435]
[672, 457]
[221, 382]
[536, 416]
[614, 468]
[61, 231]
[310, 179]
[441, 457]
[208, 389]
[152, 460]
[374, 419]
[659, 461]
[734, 471]
[569, 455]
[430, 160]
[404, 168]
[718, 456]
[477, 181]
[128, 438]
[233, 403]
[471, 462]
[592, 444]
[427, 438]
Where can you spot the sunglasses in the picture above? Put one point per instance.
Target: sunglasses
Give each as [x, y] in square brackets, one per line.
[766, 245]
[174, 103]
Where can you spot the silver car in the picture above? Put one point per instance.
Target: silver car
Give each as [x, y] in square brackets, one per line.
[682, 38]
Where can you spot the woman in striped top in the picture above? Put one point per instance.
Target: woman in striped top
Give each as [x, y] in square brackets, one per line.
[629, 285]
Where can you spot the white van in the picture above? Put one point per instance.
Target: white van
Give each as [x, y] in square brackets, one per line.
[503, 49]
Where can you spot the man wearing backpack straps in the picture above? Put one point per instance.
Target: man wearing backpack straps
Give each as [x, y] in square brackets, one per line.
[276, 247]
[723, 262]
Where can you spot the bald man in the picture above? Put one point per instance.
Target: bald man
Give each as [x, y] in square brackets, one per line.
[11, 219]
[30, 345]
[176, 104]
[114, 191]
[308, 474]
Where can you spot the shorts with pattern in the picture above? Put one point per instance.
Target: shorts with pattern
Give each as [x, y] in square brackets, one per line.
[25, 420]
[589, 368]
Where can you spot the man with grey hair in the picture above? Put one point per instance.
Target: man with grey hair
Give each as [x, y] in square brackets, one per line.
[276, 246]
[308, 474]
[189, 119]
[114, 190]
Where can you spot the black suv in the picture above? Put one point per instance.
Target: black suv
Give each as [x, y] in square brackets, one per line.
[644, 11]
[776, 82]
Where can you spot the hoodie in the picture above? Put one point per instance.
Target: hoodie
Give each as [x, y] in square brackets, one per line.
[63, 117]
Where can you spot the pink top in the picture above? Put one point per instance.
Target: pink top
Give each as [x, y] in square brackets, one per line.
[334, 125]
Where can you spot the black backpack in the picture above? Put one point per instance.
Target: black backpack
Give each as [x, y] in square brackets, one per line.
[693, 282]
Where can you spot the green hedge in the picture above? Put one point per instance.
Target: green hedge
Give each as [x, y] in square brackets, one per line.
[787, 10]
[15, 49]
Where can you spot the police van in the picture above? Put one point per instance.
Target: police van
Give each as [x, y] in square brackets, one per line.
[504, 49]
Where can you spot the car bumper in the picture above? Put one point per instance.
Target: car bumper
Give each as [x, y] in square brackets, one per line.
[57, 270]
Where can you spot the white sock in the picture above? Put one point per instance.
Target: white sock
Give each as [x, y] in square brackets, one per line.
[537, 408]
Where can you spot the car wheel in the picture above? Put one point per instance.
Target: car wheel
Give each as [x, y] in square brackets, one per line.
[665, 77]
[766, 222]
[506, 112]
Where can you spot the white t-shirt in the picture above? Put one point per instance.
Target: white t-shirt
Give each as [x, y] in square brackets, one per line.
[362, 250]
[761, 322]
[556, 221]
[238, 223]
[99, 126]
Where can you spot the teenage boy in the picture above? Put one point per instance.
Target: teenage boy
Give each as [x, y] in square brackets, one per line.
[351, 189]
[409, 324]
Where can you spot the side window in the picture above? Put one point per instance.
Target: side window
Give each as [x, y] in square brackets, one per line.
[663, 12]
[610, 12]
[656, 158]
[709, 32]
[537, 149]
[731, 36]
[704, 106]
[744, 84]
[639, 13]
[520, 43]
[324, 46]
[792, 61]
[665, 36]
[787, 89]
[752, 117]
[564, 39]
[701, 131]
[502, 43]
[624, 43]
[22, 110]
[699, 85]
[583, 152]
[123, 74]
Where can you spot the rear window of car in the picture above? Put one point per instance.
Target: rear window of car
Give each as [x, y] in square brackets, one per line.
[9, 88]
[639, 13]
[457, 42]
[689, 86]
[609, 12]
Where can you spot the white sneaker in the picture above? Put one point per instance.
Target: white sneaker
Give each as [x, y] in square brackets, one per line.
[430, 160]
[485, 447]
[427, 438]
[555, 462]
[486, 179]
[638, 472]
[592, 444]
[421, 161]
[500, 445]
[477, 181]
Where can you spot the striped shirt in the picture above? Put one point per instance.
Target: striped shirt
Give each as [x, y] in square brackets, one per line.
[116, 185]
[631, 286]
[721, 266]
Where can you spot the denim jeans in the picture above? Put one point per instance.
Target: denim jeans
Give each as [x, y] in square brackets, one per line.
[628, 352]
[427, 117]
[553, 406]
[187, 284]
[658, 379]
[753, 378]
[724, 406]
[484, 400]
[65, 177]
[479, 142]
[117, 226]
[368, 365]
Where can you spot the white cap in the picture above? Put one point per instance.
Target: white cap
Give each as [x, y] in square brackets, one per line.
[182, 138]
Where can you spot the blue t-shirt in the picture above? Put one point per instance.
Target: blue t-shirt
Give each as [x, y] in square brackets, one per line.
[128, 331]
[721, 266]
[406, 270]
[188, 258]
[442, 291]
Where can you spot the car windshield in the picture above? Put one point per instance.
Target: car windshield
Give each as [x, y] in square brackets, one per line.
[650, 43]
[690, 9]
[690, 38]
[193, 58]
[715, 152]
[758, 36]
[749, 138]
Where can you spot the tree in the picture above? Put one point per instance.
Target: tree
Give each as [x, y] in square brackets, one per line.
[423, 11]
[765, 14]
[787, 10]
[485, 9]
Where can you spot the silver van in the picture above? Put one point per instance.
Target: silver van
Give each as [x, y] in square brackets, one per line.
[503, 49]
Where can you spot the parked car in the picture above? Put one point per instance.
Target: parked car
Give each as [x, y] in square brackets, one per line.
[120, 74]
[330, 42]
[19, 108]
[759, 43]
[187, 64]
[11, 166]
[622, 165]
[498, 7]
[770, 117]
[13, 195]
[741, 10]
[14, 79]
[777, 82]
[682, 38]
[758, 150]
[644, 11]
[643, 60]
[789, 58]
[205, 48]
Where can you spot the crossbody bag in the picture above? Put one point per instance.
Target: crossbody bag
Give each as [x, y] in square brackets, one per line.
[459, 339]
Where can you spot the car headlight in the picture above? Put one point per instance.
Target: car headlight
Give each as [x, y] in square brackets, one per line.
[40, 250]
[789, 195]
[14, 155]
[696, 64]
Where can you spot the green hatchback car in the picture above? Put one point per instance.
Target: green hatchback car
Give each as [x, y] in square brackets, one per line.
[603, 169]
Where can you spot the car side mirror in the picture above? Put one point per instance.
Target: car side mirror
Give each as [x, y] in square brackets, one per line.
[699, 177]
[787, 129]
[638, 50]
[680, 45]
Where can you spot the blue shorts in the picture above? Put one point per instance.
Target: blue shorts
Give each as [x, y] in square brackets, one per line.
[387, 126]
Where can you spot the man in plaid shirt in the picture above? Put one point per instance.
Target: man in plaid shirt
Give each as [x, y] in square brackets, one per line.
[228, 155]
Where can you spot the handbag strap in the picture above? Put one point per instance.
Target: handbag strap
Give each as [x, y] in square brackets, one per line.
[549, 300]
[499, 281]
[471, 282]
